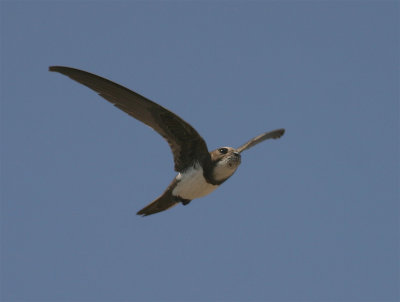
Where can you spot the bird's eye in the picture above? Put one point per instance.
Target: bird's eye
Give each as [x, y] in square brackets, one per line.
[223, 150]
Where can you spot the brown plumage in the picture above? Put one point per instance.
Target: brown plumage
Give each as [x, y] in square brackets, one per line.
[260, 138]
[200, 171]
[162, 203]
[186, 144]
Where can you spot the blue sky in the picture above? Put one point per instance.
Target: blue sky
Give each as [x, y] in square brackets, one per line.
[313, 216]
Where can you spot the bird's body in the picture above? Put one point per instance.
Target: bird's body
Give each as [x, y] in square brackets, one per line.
[191, 184]
[195, 182]
[200, 172]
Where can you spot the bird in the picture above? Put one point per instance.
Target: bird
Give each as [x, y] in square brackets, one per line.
[200, 172]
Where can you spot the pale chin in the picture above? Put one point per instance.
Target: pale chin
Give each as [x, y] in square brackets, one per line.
[230, 162]
[233, 164]
[225, 168]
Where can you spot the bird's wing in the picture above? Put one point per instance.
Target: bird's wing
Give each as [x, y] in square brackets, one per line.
[162, 203]
[262, 137]
[186, 144]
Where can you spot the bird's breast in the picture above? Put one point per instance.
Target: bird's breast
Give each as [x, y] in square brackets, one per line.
[192, 184]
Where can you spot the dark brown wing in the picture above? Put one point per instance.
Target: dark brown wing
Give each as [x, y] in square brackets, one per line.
[162, 203]
[186, 144]
[262, 137]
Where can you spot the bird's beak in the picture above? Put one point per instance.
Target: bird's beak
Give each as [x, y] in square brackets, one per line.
[237, 155]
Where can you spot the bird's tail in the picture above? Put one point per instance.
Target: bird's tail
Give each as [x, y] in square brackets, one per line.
[162, 203]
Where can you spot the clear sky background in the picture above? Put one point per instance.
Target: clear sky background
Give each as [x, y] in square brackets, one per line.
[313, 216]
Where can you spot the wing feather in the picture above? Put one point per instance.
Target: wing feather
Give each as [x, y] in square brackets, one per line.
[262, 137]
[186, 144]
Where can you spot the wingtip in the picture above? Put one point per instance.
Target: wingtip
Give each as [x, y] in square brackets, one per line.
[62, 69]
[145, 212]
[58, 68]
[140, 213]
[280, 132]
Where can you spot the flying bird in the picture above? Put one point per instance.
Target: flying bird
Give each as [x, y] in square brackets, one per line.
[200, 172]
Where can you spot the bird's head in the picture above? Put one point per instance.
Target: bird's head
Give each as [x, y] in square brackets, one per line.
[225, 160]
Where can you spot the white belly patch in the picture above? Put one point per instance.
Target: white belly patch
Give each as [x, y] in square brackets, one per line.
[192, 184]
